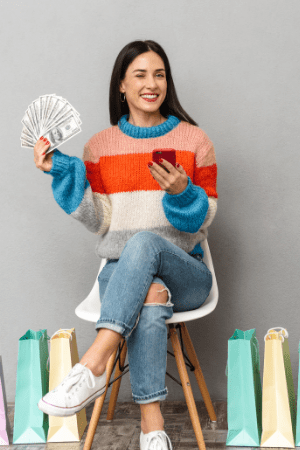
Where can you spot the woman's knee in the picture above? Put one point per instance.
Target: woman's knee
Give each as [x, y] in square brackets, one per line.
[157, 293]
[141, 240]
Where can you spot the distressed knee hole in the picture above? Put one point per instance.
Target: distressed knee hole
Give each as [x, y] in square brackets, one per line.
[165, 303]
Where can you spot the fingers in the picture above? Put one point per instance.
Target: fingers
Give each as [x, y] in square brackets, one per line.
[40, 149]
[173, 182]
[45, 143]
[170, 166]
[158, 173]
[41, 144]
[157, 169]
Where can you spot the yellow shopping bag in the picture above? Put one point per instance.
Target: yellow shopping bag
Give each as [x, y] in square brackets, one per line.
[278, 398]
[63, 356]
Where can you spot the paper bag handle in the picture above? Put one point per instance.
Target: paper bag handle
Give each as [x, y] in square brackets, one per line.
[60, 330]
[282, 333]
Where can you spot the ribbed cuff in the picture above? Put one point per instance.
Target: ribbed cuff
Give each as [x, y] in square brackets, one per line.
[60, 164]
[184, 198]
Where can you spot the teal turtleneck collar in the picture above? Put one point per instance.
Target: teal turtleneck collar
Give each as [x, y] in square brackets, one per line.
[147, 132]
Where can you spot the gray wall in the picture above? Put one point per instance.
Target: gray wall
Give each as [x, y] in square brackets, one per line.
[236, 68]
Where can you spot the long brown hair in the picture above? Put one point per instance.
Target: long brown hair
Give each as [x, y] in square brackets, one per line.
[171, 103]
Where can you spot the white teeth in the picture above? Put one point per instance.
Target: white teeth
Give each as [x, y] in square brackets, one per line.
[150, 96]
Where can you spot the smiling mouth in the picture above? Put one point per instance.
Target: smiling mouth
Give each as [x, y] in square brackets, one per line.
[150, 97]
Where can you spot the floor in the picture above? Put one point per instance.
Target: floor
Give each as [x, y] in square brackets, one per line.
[123, 432]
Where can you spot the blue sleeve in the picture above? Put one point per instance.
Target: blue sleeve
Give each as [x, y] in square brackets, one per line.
[69, 181]
[186, 211]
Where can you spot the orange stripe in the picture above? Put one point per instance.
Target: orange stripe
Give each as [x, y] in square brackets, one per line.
[110, 174]
[206, 177]
[93, 176]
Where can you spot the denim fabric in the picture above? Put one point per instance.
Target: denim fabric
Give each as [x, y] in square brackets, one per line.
[124, 284]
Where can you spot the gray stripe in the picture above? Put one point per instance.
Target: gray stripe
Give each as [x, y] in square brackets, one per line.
[112, 243]
[86, 214]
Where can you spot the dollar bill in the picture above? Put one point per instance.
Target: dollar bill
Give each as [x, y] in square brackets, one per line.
[62, 132]
[51, 116]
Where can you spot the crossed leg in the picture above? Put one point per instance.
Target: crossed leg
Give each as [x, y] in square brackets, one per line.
[151, 417]
[107, 341]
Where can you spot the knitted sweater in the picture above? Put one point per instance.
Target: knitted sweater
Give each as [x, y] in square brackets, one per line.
[114, 195]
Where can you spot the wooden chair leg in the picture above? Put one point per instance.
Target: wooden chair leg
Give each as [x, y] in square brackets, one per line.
[198, 372]
[116, 385]
[186, 385]
[99, 405]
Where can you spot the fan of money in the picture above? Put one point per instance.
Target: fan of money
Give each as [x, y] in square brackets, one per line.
[50, 116]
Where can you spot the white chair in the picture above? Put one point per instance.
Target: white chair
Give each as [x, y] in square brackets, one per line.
[89, 310]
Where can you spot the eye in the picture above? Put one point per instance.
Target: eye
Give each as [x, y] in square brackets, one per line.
[161, 75]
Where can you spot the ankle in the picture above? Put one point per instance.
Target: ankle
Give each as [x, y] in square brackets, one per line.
[147, 427]
[97, 371]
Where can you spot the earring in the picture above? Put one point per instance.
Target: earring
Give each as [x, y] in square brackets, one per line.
[124, 98]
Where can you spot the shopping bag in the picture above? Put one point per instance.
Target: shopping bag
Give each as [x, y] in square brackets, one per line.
[297, 443]
[4, 422]
[31, 424]
[278, 401]
[63, 356]
[243, 390]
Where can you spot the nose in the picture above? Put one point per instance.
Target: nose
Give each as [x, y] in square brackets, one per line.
[151, 82]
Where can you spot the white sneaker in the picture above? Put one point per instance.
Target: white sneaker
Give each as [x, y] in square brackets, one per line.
[155, 440]
[79, 388]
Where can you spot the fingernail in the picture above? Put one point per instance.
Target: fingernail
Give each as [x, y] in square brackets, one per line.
[161, 160]
[177, 165]
[47, 142]
[43, 153]
[41, 138]
[150, 164]
[45, 139]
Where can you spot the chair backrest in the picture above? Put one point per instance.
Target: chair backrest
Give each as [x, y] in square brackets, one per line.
[89, 309]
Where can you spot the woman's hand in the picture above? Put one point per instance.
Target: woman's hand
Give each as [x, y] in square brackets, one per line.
[42, 161]
[174, 182]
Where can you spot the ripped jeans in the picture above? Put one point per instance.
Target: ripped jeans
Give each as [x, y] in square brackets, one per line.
[124, 283]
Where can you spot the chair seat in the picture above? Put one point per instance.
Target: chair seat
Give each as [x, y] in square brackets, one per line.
[90, 308]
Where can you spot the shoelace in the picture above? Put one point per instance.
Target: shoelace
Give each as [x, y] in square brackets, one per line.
[78, 374]
[157, 442]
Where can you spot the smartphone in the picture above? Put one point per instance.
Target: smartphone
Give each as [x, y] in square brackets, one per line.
[165, 153]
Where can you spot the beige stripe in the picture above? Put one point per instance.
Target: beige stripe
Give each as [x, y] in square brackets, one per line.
[103, 204]
[212, 209]
[146, 210]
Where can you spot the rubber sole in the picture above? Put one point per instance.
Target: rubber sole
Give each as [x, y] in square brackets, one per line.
[57, 411]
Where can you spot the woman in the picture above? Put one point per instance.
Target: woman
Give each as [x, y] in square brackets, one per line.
[150, 223]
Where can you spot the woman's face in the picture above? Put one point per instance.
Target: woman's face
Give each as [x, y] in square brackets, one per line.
[145, 83]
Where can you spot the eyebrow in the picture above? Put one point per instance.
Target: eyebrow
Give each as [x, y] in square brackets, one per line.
[142, 70]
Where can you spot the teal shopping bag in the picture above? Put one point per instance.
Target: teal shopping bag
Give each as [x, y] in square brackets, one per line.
[31, 424]
[297, 444]
[244, 412]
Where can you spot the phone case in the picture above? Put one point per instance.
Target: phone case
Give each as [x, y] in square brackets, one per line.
[166, 153]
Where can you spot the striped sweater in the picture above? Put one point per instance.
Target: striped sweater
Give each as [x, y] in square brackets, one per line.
[112, 192]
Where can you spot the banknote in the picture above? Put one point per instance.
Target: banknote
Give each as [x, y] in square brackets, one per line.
[62, 132]
[51, 116]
